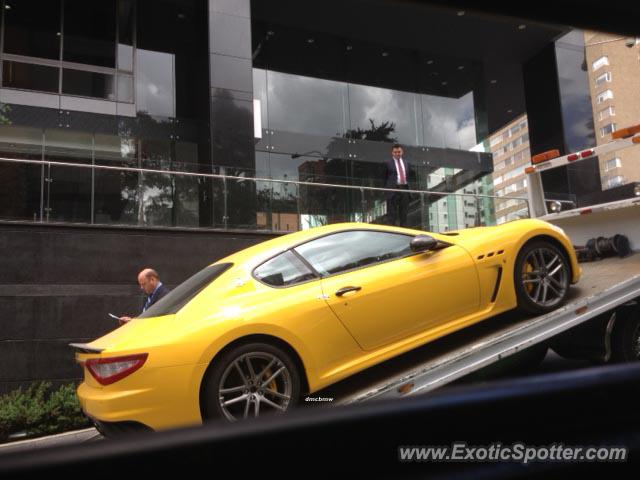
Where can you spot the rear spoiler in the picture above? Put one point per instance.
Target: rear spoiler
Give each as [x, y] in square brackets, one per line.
[84, 348]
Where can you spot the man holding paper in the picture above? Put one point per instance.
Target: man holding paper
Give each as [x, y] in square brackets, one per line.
[154, 290]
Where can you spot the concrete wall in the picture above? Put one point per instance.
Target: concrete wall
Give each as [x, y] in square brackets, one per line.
[57, 285]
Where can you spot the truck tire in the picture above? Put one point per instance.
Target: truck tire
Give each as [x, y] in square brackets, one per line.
[625, 339]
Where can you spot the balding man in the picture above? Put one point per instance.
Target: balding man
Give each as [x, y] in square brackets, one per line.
[154, 290]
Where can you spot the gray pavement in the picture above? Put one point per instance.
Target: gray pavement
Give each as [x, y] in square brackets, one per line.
[67, 438]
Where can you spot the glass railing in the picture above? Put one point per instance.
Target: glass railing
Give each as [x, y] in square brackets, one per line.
[123, 195]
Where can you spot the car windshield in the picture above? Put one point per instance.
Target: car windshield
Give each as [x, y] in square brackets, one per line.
[178, 297]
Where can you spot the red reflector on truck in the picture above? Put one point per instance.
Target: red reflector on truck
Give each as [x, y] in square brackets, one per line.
[585, 211]
[573, 156]
[586, 153]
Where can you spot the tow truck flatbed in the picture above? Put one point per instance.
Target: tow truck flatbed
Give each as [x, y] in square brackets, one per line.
[604, 285]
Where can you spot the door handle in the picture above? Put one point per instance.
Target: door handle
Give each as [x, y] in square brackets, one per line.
[344, 290]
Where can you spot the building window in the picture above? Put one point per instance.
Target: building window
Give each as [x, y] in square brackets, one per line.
[607, 129]
[499, 166]
[615, 181]
[495, 140]
[601, 79]
[607, 112]
[607, 94]
[611, 164]
[601, 62]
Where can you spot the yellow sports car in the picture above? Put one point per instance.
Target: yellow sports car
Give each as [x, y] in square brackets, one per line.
[252, 333]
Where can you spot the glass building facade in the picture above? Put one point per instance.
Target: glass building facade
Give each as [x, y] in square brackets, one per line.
[168, 93]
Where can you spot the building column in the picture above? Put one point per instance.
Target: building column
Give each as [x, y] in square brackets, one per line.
[231, 94]
[560, 115]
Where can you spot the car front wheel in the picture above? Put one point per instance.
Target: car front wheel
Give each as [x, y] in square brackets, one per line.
[541, 277]
[249, 381]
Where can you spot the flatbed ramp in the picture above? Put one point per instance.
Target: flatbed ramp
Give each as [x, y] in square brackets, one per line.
[604, 285]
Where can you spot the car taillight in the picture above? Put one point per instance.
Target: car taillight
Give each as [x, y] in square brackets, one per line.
[109, 370]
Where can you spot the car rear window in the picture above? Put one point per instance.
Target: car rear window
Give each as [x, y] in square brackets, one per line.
[179, 296]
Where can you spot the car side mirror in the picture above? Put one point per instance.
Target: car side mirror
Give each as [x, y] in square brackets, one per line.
[423, 243]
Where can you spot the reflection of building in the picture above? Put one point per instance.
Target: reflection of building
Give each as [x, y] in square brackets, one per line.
[510, 148]
[613, 64]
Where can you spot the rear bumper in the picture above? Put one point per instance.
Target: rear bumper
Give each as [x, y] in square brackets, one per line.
[119, 429]
[156, 398]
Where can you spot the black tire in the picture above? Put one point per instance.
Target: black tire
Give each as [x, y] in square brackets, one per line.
[264, 360]
[541, 290]
[625, 339]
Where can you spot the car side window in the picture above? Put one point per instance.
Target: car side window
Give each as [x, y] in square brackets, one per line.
[284, 270]
[358, 248]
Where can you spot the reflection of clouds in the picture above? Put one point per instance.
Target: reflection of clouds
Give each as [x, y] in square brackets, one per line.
[449, 122]
[574, 90]
[155, 83]
[385, 105]
[305, 104]
[313, 106]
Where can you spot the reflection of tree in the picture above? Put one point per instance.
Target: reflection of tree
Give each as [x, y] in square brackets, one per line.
[376, 133]
[341, 204]
[4, 109]
[233, 148]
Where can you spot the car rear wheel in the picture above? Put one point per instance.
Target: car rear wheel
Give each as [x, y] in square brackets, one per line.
[541, 277]
[249, 381]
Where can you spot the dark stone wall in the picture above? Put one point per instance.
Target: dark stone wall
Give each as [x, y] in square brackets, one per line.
[57, 285]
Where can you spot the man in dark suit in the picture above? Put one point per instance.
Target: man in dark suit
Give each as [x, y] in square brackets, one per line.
[396, 177]
[154, 290]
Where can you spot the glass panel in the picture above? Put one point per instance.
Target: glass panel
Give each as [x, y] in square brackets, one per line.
[449, 122]
[155, 83]
[283, 270]
[382, 114]
[116, 197]
[326, 205]
[242, 203]
[186, 201]
[88, 84]
[348, 250]
[68, 146]
[374, 206]
[69, 194]
[125, 88]
[116, 150]
[157, 199]
[156, 153]
[186, 157]
[20, 190]
[125, 33]
[20, 142]
[30, 77]
[574, 92]
[90, 32]
[116, 193]
[307, 105]
[32, 28]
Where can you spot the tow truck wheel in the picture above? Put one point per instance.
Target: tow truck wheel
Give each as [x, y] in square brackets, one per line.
[625, 341]
[249, 381]
[541, 277]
